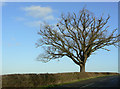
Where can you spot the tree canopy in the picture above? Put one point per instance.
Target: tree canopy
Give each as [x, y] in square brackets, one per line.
[76, 36]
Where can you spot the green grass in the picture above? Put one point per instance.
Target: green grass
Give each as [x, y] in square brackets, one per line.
[49, 86]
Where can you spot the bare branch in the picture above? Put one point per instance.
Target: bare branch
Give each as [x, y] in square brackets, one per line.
[76, 36]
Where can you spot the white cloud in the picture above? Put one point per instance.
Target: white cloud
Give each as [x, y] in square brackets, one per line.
[50, 17]
[44, 13]
[39, 13]
[13, 44]
[34, 23]
[20, 19]
[2, 4]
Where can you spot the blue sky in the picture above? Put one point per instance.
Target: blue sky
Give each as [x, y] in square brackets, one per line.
[21, 22]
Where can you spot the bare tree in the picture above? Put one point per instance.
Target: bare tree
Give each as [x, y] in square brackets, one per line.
[76, 36]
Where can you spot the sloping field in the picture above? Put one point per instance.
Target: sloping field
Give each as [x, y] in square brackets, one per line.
[39, 80]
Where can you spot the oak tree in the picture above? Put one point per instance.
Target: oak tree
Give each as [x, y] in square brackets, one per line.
[76, 36]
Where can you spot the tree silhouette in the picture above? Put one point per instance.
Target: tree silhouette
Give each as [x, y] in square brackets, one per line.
[76, 36]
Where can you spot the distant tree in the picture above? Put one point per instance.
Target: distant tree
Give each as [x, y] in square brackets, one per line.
[76, 36]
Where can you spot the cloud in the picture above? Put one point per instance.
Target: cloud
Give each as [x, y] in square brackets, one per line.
[49, 17]
[44, 13]
[2, 4]
[34, 23]
[13, 44]
[20, 19]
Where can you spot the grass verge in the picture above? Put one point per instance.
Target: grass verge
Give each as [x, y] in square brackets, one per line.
[55, 85]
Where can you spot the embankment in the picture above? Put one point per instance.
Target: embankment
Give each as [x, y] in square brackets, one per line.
[39, 80]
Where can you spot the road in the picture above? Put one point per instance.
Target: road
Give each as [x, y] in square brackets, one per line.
[109, 82]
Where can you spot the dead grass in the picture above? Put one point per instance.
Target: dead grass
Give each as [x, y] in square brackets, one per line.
[43, 80]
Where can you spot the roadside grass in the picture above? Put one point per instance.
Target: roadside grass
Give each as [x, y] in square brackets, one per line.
[55, 85]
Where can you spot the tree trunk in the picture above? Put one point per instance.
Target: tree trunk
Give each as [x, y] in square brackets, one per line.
[82, 68]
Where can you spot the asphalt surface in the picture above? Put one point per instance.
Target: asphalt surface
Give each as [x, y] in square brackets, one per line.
[109, 82]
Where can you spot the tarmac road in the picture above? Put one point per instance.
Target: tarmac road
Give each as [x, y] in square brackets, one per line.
[109, 82]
